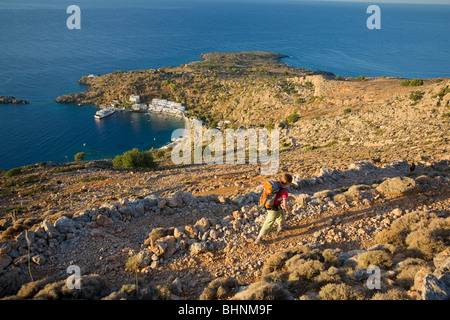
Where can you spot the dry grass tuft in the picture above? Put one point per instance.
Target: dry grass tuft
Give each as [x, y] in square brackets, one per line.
[341, 291]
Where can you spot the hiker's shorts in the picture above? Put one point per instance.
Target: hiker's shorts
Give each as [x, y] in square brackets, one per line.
[277, 216]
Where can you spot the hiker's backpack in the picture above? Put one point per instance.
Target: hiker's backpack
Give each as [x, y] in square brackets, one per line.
[269, 194]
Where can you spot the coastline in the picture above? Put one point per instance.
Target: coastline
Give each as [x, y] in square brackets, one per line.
[251, 90]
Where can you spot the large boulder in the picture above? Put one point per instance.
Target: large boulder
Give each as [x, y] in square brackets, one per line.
[131, 207]
[164, 247]
[26, 237]
[398, 185]
[65, 225]
[202, 225]
[198, 248]
[151, 201]
[50, 229]
[158, 247]
[176, 199]
[171, 247]
[5, 260]
[155, 234]
[434, 289]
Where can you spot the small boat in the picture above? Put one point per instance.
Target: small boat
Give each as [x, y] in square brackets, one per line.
[103, 113]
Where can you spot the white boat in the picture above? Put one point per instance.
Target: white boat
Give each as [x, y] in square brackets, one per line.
[103, 113]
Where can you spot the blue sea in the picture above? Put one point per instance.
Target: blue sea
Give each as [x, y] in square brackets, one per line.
[41, 59]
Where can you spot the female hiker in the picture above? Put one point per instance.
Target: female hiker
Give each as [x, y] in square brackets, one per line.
[275, 212]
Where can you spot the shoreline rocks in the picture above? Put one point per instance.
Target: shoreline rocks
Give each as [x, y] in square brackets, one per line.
[12, 100]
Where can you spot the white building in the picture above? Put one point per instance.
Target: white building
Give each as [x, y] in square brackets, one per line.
[164, 106]
[139, 107]
[134, 98]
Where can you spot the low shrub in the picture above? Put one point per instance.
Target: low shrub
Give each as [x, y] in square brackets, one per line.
[13, 172]
[415, 95]
[275, 262]
[429, 237]
[378, 258]
[160, 153]
[407, 270]
[79, 156]
[331, 257]
[221, 288]
[347, 110]
[412, 83]
[340, 291]
[135, 159]
[392, 294]
[416, 82]
[264, 291]
[293, 117]
[300, 269]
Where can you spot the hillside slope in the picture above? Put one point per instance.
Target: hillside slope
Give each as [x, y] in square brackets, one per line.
[374, 161]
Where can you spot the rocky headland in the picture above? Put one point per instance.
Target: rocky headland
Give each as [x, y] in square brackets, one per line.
[13, 100]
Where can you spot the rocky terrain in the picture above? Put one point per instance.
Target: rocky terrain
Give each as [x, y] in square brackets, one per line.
[372, 155]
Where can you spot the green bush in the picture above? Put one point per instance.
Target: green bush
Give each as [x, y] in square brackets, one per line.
[415, 95]
[361, 78]
[405, 83]
[135, 159]
[416, 82]
[412, 83]
[13, 172]
[442, 93]
[293, 117]
[79, 156]
[160, 153]
[270, 125]
[347, 110]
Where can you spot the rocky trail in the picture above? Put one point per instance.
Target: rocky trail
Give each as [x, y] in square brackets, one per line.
[189, 241]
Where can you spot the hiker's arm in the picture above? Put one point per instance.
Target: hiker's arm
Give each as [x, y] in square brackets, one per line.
[286, 206]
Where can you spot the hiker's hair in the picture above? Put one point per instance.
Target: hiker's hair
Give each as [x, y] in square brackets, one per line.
[286, 178]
